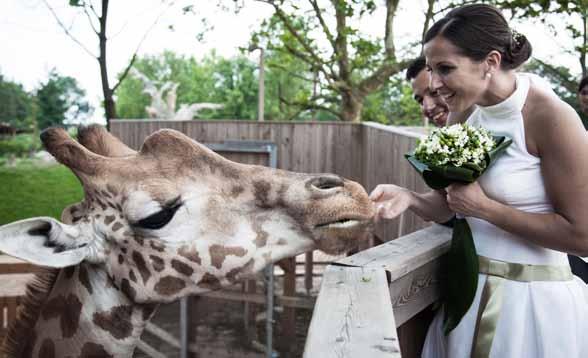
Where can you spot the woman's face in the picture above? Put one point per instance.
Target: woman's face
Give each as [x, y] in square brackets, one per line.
[459, 80]
[583, 99]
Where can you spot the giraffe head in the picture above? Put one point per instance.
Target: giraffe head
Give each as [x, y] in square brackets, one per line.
[176, 218]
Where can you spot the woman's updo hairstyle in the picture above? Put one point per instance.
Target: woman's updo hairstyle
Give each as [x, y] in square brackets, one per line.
[479, 29]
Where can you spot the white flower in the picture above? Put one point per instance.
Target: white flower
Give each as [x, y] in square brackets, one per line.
[456, 145]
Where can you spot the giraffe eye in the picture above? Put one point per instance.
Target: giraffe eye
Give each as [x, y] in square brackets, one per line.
[159, 219]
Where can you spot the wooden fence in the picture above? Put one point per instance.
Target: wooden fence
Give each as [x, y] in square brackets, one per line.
[367, 296]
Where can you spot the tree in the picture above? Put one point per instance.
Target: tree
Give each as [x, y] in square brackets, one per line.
[227, 81]
[97, 20]
[351, 66]
[61, 101]
[17, 107]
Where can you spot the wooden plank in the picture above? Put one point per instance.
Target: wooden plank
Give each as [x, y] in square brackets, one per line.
[150, 351]
[14, 285]
[404, 255]
[353, 316]
[415, 291]
[285, 301]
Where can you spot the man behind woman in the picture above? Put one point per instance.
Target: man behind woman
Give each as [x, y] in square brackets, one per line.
[525, 212]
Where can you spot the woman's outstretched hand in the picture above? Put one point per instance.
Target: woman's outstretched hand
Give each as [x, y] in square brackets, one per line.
[390, 201]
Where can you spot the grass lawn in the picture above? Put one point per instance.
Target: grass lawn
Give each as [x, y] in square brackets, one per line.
[28, 190]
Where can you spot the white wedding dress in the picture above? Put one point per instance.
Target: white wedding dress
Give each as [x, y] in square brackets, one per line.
[543, 319]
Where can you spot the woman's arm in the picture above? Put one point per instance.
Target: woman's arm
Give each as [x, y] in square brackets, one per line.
[557, 135]
[392, 200]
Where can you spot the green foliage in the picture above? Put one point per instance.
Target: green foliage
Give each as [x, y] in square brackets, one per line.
[393, 105]
[17, 107]
[60, 100]
[20, 145]
[29, 191]
[231, 82]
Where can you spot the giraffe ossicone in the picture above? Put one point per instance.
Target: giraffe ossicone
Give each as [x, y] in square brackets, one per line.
[170, 220]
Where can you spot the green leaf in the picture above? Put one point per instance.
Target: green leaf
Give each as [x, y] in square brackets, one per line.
[462, 269]
[502, 144]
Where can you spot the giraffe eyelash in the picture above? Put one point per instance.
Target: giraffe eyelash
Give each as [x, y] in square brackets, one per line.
[161, 218]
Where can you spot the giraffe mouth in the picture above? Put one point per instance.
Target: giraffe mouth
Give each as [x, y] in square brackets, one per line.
[341, 224]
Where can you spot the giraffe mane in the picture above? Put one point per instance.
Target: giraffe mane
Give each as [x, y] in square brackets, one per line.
[37, 291]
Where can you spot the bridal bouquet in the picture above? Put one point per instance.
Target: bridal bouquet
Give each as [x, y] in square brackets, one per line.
[457, 154]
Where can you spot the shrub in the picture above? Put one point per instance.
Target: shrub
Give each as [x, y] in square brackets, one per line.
[20, 145]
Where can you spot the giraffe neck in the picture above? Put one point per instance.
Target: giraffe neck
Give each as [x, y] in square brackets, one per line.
[85, 315]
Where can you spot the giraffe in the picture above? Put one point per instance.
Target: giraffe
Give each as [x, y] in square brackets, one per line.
[170, 220]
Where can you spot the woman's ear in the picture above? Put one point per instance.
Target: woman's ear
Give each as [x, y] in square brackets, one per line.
[493, 61]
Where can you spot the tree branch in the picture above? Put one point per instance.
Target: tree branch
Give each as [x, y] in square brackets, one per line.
[90, 20]
[134, 57]
[65, 29]
[319, 15]
[391, 6]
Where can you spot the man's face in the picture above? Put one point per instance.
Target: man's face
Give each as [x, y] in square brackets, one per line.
[583, 99]
[432, 105]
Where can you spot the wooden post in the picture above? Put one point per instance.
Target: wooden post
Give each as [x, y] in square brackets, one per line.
[288, 321]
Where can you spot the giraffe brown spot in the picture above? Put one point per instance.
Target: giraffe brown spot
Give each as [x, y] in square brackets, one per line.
[69, 271]
[139, 240]
[191, 255]
[157, 263]
[132, 275]
[67, 309]
[261, 238]
[142, 266]
[121, 259]
[236, 191]
[108, 219]
[47, 349]
[169, 285]
[157, 246]
[116, 321]
[123, 250]
[128, 233]
[93, 350]
[282, 242]
[127, 289]
[148, 310]
[117, 226]
[112, 189]
[232, 275]
[103, 193]
[209, 281]
[182, 268]
[84, 278]
[29, 345]
[261, 191]
[219, 253]
[102, 205]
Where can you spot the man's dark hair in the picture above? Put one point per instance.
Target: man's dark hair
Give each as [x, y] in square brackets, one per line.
[415, 68]
[583, 83]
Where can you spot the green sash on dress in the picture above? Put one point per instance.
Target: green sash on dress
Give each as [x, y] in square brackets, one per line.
[491, 300]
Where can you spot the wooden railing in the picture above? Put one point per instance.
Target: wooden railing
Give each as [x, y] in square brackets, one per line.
[366, 297]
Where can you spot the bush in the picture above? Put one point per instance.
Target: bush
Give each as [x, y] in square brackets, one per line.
[20, 145]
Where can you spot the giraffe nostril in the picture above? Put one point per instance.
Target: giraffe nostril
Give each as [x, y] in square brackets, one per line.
[326, 182]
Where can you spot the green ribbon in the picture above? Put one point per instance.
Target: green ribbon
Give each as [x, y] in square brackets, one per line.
[491, 300]
[461, 281]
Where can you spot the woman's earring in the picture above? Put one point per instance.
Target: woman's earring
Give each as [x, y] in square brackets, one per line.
[488, 75]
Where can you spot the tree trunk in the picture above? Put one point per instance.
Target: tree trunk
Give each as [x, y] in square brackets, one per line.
[109, 104]
[351, 107]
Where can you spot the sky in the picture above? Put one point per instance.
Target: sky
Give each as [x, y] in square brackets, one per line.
[33, 43]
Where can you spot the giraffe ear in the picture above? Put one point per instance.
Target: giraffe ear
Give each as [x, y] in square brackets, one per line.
[44, 241]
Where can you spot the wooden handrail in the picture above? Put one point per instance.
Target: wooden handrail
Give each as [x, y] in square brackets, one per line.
[364, 297]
